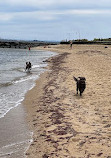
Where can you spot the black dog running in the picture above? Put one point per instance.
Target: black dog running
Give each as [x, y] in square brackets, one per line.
[80, 84]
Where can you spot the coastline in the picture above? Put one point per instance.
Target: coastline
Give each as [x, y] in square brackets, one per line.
[15, 136]
[64, 124]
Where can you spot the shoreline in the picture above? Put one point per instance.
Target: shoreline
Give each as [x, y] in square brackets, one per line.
[64, 124]
[14, 130]
[15, 135]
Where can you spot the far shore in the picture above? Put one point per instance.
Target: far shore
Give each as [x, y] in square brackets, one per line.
[66, 125]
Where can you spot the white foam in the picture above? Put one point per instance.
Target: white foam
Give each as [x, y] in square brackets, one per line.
[15, 103]
[15, 147]
[31, 140]
[6, 111]
[25, 79]
[39, 66]
[35, 66]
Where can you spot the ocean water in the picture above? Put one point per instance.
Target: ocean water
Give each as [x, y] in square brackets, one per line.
[14, 80]
[15, 136]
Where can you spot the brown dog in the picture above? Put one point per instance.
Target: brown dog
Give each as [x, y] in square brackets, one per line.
[80, 84]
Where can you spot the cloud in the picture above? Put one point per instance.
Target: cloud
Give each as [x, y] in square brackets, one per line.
[51, 15]
[88, 11]
[30, 3]
[27, 17]
[5, 17]
[46, 4]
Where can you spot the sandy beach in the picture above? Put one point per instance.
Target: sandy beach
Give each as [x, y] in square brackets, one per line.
[64, 124]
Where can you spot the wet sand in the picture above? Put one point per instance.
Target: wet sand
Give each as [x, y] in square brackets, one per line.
[15, 136]
[65, 124]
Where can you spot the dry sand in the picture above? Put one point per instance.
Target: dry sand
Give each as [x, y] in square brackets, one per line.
[66, 125]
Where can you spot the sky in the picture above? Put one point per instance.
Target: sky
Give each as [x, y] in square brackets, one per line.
[55, 19]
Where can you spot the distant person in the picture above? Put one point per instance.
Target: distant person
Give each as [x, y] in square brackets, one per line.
[29, 48]
[71, 44]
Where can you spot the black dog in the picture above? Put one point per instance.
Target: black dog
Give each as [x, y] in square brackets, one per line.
[80, 84]
[28, 66]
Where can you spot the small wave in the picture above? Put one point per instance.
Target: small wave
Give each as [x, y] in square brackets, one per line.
[18, 143]
[6, 109]
[25, 79]
[15, 148]
[20, 69]
[39, 66]
[5, 84]
[35, 66]
[4, 112]
[43, 65]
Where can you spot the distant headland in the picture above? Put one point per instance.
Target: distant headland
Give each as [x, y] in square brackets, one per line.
[106, 41]
[23, 44]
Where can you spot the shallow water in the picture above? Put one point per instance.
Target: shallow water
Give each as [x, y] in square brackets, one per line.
[15, 135]
[14, 80]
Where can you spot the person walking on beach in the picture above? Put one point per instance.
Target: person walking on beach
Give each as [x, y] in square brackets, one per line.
[29, 48]
[70, 44]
